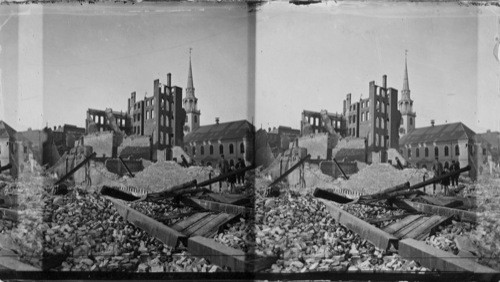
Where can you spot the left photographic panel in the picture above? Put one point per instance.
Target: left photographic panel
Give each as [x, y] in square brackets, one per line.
[127, 138]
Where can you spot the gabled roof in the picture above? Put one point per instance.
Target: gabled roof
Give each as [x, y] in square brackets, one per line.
[6, 131]
[214, 132]
[438, 133]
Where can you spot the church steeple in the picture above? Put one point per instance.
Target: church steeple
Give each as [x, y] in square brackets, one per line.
[190, 103]
[406, 86]
[190, 85]
[405, 105]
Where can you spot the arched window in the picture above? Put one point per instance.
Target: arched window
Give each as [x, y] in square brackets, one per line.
[211, 149]
[426, 152]
[195, 119]
[411, 121]
[417, 153]
[446, 151]
[457, 150]
[436, 152]
[194, 150]
[409, 153]
[202, 150]
[231, 149]
[242, 148]
[221, 149]
[401, 121]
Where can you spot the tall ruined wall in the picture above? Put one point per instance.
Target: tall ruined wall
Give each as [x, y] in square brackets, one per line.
[104, 144]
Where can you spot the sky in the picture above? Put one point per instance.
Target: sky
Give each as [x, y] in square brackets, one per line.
[59, 60]
[310, 57]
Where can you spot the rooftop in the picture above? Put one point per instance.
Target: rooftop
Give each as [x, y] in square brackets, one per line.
[226, 130]
[438, 133]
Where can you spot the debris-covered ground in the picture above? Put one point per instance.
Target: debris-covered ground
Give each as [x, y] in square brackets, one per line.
[81, 230]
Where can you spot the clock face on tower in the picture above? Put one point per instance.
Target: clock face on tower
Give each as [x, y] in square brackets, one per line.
[401, 130]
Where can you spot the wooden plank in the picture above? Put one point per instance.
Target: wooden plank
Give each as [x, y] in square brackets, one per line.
[430, 209]
[432, 200]
[218, 207]
[228, 199]
[223, 255]
[190, 230]
[165, 234]
[431, 257]
[408, 228]
[9, 261]
[180, 226]
[427, 225]
[213, 225]
[430, 229]
[394, 227]
[377, 237]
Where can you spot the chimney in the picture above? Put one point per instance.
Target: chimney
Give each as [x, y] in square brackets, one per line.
[216, 120]
[384, 81]
[432, 122]
[169, 80]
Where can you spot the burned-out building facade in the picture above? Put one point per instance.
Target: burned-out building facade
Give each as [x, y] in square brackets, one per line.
[160, 116]
[375, 118]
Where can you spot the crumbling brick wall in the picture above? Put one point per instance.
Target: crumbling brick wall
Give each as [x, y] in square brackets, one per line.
[350, 149]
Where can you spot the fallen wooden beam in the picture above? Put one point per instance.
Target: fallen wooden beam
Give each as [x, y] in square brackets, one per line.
[154, 228]
[439, 178]
[290, 170]
[434, 258]
[377, 237]
[431, 209]
[331, 196]
[5, 167]
[215, 206]
[117, 193]
[71, 172]
[223, 255]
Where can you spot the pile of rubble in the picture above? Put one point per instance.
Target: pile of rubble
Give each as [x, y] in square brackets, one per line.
[376, 177]
[165, 174]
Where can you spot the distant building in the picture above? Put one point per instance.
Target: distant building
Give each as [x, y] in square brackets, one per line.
[100, 119]
[447, 142]
[405, 106]
[233, 139]
[375, 118]
[315, 123]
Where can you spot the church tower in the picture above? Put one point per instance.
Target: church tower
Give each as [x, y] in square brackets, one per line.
[190, 103]
[405, 105]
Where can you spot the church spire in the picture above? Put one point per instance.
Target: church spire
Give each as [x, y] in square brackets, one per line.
[190, 86]
[406, 86]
